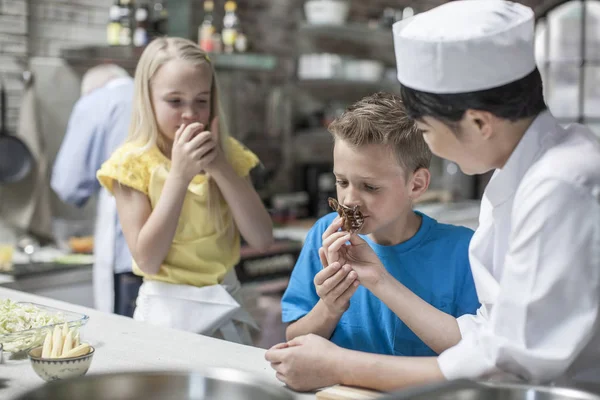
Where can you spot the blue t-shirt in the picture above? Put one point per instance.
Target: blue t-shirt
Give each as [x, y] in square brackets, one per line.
[433, 264]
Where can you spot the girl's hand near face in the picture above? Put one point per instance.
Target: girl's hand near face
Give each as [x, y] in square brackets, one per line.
[214, 155]
[194, 150]
[184, 163]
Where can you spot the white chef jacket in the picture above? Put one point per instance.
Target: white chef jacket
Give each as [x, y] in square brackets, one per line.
[536, 264]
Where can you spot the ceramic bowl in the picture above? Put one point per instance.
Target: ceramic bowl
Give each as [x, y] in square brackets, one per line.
[53, 369]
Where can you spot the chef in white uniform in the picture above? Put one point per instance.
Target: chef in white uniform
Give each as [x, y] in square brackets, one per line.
[470, 81]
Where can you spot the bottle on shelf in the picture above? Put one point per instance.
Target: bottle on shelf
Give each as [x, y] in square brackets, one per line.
[113, 28]
[207, 28]
[126, 21]
[142, 18]
[241, 42]
[217, 43]
[230, 27]
[160, 17]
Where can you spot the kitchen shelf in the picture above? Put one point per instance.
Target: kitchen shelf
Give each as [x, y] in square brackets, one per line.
[355, 39]
[127, 56]
[312, 146]
[351, 41]
[316, 133]
[343, 89]
[35, 269]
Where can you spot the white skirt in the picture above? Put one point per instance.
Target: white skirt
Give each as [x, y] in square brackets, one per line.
[210, 310]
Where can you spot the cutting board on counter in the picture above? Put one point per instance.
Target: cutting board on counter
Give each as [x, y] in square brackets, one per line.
[340, 392]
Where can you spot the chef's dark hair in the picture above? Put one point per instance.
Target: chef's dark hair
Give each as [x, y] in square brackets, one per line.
[517, 100]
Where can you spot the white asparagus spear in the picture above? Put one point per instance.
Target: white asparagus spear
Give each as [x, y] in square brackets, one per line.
[68, 343]
[57, 342]
[65, 329]
[80, 350]
[47, 348]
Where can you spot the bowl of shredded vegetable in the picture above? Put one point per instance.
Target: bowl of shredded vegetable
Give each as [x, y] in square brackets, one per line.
[25, 325]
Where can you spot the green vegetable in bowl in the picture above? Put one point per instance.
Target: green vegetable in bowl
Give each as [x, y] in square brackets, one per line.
[15, 317]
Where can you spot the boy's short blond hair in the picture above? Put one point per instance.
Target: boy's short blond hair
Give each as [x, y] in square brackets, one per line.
[381, 119]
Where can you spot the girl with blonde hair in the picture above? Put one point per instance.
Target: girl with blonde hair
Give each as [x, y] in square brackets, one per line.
[184, 196]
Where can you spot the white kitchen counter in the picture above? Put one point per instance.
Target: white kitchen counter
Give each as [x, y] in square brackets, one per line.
[123, 344]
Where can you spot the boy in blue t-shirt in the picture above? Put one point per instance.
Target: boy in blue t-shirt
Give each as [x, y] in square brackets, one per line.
[381, 164]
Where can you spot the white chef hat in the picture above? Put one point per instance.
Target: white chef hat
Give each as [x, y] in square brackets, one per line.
[465, 46]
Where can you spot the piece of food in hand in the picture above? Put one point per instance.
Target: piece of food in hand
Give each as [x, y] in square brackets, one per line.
[353, 218]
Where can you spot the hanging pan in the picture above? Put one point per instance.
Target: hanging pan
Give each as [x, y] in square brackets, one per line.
[16, 160]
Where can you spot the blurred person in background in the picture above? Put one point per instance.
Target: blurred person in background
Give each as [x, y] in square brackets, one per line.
[98, 125]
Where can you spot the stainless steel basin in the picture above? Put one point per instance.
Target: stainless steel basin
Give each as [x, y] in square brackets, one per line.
[213, 384]
[469, 390]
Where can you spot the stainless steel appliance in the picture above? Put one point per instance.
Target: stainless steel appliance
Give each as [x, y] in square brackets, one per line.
[470, 390]
[212, 384]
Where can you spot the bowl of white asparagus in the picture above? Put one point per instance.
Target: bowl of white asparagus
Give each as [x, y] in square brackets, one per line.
[62, 356]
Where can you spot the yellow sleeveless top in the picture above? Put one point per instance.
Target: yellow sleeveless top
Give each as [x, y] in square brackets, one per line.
[200, 254]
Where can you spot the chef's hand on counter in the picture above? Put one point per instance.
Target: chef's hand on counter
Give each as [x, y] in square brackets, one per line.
[306, 362]
[357, 254]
